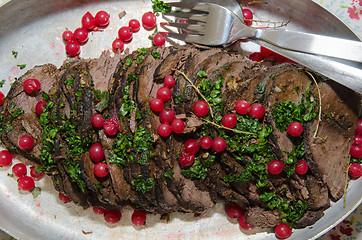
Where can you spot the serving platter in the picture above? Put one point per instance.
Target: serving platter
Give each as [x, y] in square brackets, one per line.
[33, 28]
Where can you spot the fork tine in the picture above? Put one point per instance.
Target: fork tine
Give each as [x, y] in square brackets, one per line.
[204, 7]
[184, 37]
[187, 16]
[183, 26]
[182, 4]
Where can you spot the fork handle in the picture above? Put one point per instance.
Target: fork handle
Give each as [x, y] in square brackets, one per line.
[312, 43]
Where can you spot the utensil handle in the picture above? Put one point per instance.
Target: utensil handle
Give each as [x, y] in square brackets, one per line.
[347, 73]
[313, 43]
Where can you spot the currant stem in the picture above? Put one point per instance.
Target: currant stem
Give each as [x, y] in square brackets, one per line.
[231, 129]
[197, 90]
[320, 106]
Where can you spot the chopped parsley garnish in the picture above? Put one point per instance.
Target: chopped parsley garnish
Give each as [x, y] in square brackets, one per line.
[290, 210]
[22, 66]
[261, 88]
[143, 185]
[286, 112]
[156, 54]
[16, 113]
[2, 82]
[142, 143]
[142, 50]
[169, 174]
[296, 155]
[69, 82]
[128, 105]
[199, 168]
[101, 99]
[14, 53]
[160, 6]
[132, 77]
[212, 92]
[179, 99]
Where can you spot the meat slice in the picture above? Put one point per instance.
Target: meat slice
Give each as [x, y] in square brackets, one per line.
[19, 113]
[329, 150]
[259, 217]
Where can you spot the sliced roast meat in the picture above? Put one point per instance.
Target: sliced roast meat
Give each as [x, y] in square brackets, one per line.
[19, 113]
[329, 149]
[259, 217]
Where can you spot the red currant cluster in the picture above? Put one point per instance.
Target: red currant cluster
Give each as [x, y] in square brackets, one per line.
[19, 170]
[73, 40]
[113, 216]
[355, 169]
[96, 151]
[235, 212]
[267, 54]
[169, 122]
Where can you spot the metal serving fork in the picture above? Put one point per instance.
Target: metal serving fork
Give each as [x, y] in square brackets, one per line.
[216, 25]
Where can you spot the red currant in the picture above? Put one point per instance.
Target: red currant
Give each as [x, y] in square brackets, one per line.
[164, 129]
[2, 98]
[88, 21]
[256, 110]
[218, 144]
[169, 82]
[355, 170]
[36, 176]
[267, 53]
[26, 183]
[248, 15]
[201, 108]
[149, 20]
[234, 211]
[164, 93]
[191, 146]
[102, 19]
[356, 151]
[138, 218]
[99, 210]
[244, 224]
[125, 34]
[6, 159]
[283, 231]
[301, 168]
[96, 152]
[112, 216]
[159, 39]
[186, 159]
[357, 140]
[32, 85]
[167, 115]
[156, 105]
[39, 107]
[118, 45]
[81, 35]
[275, 167]
[97, 120]
[101, 169]
[177, 126]
[359, 127]
[135, 25]
[68, 36]
[206, 142]
[256, 57]
[26, 142]
[242, 107]
[19, 169]
[64, 198]
[111, 126]
[295, 129]
[229, 120]
[72, 48]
